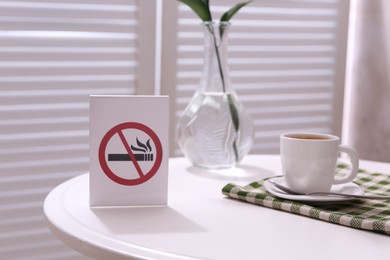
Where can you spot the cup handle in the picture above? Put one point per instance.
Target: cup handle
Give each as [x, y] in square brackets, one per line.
[354, 158]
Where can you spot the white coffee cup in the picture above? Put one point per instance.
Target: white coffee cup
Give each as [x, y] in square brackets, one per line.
[309, 161]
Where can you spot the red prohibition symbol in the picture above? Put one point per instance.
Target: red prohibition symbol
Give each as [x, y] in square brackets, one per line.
[143, 177]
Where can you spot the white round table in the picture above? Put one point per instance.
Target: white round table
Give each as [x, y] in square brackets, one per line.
[201, 223]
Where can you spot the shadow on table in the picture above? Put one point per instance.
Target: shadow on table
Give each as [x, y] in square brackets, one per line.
[241, 172]
[145, 220]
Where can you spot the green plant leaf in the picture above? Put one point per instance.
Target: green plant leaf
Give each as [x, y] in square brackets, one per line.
[232, 11]
[200, 7]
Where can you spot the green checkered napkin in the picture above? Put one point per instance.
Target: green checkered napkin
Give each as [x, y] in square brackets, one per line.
[372, 215]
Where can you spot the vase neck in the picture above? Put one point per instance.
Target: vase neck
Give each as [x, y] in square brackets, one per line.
[215, 75]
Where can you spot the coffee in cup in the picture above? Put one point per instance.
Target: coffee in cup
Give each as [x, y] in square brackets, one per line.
[309, 161]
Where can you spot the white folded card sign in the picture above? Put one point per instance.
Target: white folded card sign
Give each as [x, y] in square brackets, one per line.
[128, 150]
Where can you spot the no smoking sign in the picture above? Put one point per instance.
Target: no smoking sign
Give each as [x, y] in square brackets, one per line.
[139, 159]
[129, 141]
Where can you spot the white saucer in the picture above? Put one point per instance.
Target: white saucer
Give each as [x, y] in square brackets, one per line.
[347, 188]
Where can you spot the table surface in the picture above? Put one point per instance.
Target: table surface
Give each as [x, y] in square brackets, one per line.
[201, 223]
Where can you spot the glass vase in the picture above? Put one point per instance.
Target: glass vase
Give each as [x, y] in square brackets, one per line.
[215, 131]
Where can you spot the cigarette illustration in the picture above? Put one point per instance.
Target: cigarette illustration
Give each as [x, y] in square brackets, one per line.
[145, 154]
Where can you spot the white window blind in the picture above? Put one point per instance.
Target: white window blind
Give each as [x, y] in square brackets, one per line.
[53, 55]
[286, 60]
